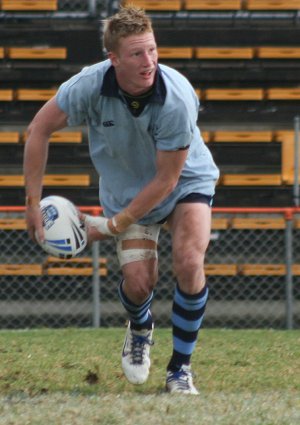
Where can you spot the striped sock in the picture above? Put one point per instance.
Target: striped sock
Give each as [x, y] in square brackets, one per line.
[187, 315]
[139, 315]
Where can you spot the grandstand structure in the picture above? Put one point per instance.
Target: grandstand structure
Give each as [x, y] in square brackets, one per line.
[243, 59]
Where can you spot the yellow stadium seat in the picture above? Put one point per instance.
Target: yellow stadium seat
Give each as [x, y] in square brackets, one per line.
[258, 223]
[164, 5]
[234, 94]
[251, 180]
[242, 136]
[35, 94]
[224, 52]
[37, 53]
[175, 52]
[49, 180]
[29, 5]
[275, 93]
[272, 4]
[278, 52]
[212, 4]
[6, 95]
[9, 137]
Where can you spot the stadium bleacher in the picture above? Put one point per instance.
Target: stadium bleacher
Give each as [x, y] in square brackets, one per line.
[245, 74]
[29, 5]
[196, 5]
[243, 59]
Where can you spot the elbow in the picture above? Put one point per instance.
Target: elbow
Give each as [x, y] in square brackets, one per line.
[29, 130]
[169, 186]
[36, 130]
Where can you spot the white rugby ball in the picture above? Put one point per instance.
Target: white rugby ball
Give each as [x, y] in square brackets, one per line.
[65, 235]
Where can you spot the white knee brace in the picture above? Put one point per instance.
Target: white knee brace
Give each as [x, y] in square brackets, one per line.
[137, 243]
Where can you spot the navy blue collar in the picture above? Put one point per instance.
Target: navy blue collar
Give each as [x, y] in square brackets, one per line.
[111, 88]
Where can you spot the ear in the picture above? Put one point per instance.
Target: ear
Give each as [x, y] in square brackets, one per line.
[113, 58]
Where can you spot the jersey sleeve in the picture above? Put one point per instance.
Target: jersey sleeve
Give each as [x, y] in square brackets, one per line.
[175, 127]
[72, 99]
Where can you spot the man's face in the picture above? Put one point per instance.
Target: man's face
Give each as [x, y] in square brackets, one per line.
[135, 63]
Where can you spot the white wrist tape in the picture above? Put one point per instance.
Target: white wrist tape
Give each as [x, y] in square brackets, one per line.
[100, 224]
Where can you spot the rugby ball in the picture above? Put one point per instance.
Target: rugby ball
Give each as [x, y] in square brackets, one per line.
[65, 234]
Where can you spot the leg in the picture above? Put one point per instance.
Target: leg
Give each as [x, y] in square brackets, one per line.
[190, 228]
[137, 253]
[136, 292]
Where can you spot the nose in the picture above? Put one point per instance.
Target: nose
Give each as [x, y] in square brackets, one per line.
[147, 59]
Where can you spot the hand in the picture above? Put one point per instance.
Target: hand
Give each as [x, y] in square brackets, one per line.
[34, 221]
[100, 227]
[93, 235]
[96, 227]
[119, 222]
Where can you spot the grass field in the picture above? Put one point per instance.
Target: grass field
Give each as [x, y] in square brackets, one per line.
[73, 377]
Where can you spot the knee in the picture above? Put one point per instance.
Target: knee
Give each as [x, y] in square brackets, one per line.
[189, 271]
[188, 263]
[139, 286]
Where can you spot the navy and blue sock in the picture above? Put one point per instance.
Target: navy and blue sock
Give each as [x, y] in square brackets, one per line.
[187, 316]
[139, 315]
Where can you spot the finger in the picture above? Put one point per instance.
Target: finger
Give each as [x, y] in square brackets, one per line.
[40, 235]
[31, 233]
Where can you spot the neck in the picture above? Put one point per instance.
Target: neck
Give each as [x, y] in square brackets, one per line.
[142, 95]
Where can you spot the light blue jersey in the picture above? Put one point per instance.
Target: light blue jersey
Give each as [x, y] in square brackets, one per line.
[123, 147]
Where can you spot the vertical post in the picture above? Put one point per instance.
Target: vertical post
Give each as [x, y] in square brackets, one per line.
[289, 274]
[296, 163]
[112, 6]
[96, 285]
[92, 6]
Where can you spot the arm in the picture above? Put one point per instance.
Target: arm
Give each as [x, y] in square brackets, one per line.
[49, 119]
[168, 168]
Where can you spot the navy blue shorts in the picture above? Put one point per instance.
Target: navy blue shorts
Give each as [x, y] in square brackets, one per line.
[196, 197]
[193, 198]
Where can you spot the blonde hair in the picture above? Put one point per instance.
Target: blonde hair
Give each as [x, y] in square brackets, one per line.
[128, 21]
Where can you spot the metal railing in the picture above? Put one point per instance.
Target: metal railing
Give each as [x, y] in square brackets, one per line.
[253, 272]
[296, 160]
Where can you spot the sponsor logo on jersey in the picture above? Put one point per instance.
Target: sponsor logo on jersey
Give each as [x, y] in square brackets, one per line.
[109, 123]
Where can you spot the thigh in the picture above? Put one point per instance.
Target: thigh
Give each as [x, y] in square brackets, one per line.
[137, 254]
[190, 226]
[190, 229]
